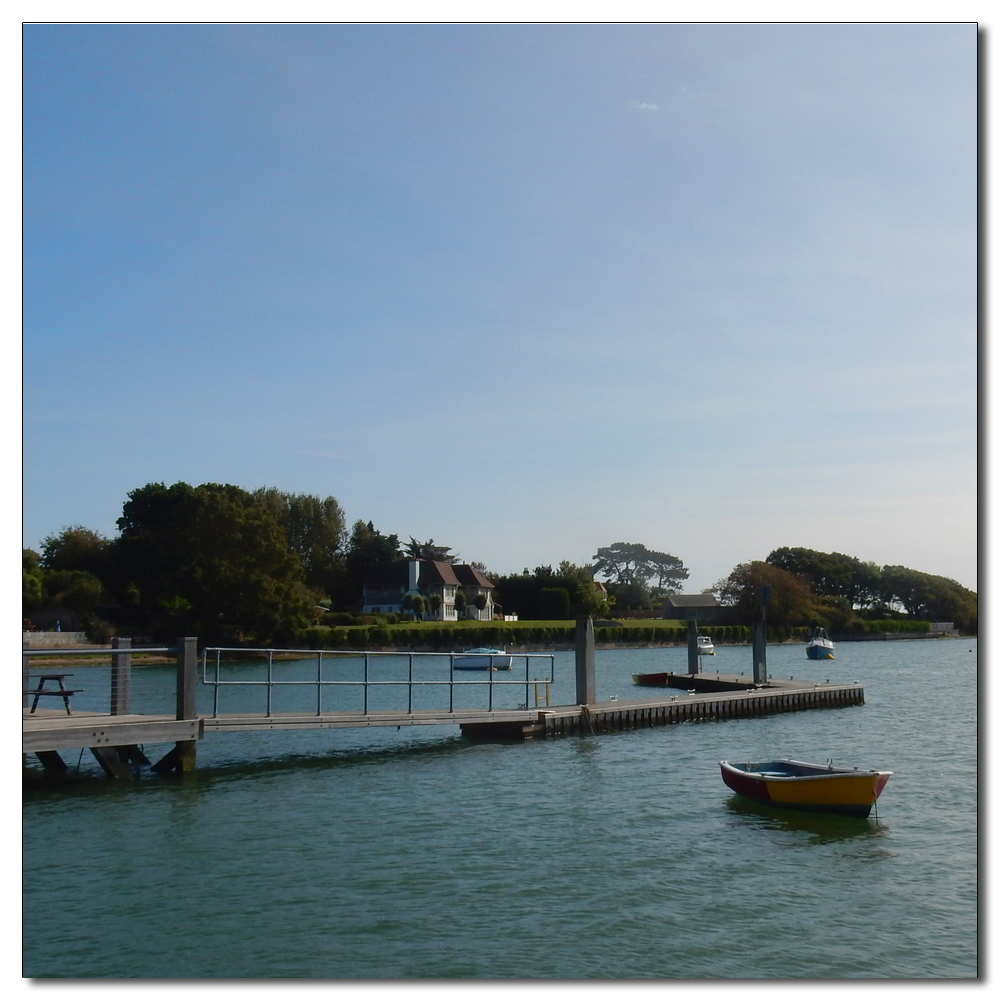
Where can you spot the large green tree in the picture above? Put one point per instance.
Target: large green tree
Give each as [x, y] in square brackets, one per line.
[931, 598]
[211, 561]
[429, 550]
[315, 529]
[79, 548]
[832, 574]
[791, 602]
[532, 596]
[631, 567]
[32, 582]
[366, 546]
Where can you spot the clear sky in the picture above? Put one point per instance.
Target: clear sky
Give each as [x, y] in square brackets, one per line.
[528, 290]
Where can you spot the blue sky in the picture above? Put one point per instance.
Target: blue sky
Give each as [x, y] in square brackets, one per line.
[525, 289]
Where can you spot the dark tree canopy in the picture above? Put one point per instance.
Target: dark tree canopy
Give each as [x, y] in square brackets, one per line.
[933, 598]
[632, 562]
[366, 546]
[534, 596]
[79, 548]
[791, 601]
[32, 581]
[212, 561]
[315, 529]
[832, 574]
[429, 550]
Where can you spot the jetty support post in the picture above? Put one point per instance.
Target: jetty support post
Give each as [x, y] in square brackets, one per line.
[759, 653]
[692, 637]
[121, 677]
[182, 759]
[586, 683]
[760, 637]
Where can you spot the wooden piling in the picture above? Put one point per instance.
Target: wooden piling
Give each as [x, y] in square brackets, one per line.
[586, 683]
[182, 759]
[692, 641]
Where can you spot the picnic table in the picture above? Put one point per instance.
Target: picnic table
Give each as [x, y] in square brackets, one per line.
[41, 690]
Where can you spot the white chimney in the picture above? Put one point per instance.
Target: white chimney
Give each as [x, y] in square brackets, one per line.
[414, 575]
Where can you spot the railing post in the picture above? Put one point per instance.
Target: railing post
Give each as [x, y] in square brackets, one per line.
[319, 682]
[270, 678]
[24, 680]
[121, 676]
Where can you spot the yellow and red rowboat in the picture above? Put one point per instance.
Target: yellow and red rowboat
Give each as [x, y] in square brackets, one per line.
[794, 784]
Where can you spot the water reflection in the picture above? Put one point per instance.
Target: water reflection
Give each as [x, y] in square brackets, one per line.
[823, 827]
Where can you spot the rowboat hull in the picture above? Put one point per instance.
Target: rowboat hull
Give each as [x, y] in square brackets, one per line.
[651, 680]
[809, 787]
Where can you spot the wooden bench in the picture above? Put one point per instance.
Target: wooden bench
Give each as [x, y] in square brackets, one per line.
[60, 692]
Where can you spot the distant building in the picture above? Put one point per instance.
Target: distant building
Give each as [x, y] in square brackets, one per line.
[700, 607]
[387, 585]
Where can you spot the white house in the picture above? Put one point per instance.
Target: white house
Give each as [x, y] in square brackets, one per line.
[387, 586]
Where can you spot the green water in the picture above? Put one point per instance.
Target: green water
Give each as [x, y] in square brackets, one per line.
[414, 853]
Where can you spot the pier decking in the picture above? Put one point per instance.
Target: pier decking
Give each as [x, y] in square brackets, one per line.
[117, 738]
[49, 730]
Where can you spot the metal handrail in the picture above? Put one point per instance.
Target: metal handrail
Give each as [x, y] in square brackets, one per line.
[319, 683]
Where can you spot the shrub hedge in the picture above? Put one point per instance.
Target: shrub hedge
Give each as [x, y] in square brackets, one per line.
[449, 636]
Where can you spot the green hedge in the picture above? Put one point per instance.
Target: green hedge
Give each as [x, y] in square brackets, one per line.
[463, 636]
[888, 625]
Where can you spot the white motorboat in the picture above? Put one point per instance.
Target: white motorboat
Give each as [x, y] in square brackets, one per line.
[483, 658]
[820, 646]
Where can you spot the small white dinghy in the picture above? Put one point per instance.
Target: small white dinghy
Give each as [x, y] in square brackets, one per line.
[483, 658]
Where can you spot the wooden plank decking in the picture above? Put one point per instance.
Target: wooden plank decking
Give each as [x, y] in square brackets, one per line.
[51, 730]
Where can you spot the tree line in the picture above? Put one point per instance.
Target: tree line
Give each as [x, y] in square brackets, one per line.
[835, 590]
[234, 566]
[217, 561]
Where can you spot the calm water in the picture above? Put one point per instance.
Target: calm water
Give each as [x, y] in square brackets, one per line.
[385, 853]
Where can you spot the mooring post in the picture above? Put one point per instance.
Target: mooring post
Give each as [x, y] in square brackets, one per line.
[586, 684]
[121, 676]
[185, 751]
[692, 637]
[759, 653]
[760, 637]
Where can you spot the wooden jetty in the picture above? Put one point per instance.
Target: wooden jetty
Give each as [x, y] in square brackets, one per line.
[116, 739]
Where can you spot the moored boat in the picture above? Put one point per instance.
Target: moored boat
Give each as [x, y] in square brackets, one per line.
[483, 658]
[651, 680]
[705, 646]
[820, 646]
[794, 784]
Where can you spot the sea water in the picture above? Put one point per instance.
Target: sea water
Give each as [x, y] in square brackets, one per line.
[416, 853]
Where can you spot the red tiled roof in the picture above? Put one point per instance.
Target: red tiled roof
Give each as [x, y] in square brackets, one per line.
[437, 572]
[470, 577]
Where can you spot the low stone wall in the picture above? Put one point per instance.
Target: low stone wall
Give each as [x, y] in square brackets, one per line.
[54, 639]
